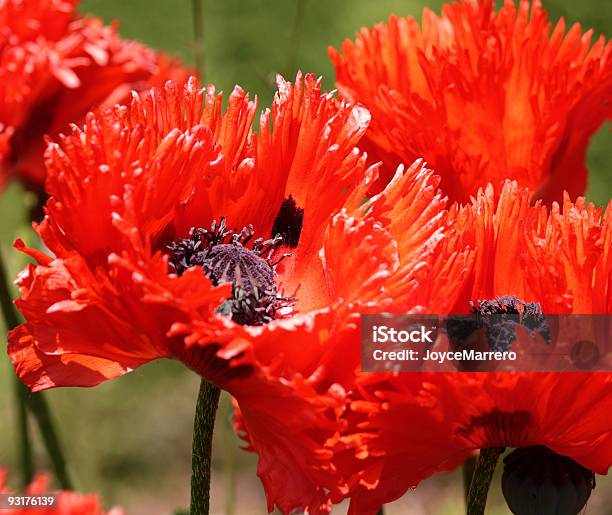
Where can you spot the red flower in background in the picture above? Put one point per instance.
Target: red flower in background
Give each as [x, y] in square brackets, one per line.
[483, 96]
[130, 280]
[55, 66]
[66, 503]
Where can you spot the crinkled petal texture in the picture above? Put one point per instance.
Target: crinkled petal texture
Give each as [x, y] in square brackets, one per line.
[55, 66]
[419, 424]
[401, 429]
[66, 502]
[136, 178]
[370, 261]
[483, 96]
[559, 257]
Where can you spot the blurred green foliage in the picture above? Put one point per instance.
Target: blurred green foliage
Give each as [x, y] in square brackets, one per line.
[131, 438]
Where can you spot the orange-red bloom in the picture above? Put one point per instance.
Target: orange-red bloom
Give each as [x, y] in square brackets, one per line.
[128, 281]
[418, 424]
[483, 96]
[559, 257]
[66, 502]
[55, 66]
[401, 429]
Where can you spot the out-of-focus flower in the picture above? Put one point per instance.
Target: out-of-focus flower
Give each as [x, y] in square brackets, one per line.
[483, 96]
[143, 264]
[66, 502]
[55, 66]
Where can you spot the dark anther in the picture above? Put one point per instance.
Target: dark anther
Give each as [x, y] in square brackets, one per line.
[529, 314]
[288, 222]
[225, 258]
[538, 480]
[499, 318]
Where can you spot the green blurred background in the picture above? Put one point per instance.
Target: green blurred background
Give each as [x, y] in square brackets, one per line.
[130, 439]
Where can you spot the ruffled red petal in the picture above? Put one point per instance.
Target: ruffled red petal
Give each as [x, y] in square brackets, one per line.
[458, 414]
[365, 260]
[289, 409]
[558, 257]
[55, 66]
[483, 96]
[135, 178]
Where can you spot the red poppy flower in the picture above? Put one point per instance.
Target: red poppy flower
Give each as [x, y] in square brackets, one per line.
[483, 96]
[55, 66]
[144, 265]
[66, 503]
[559, 258]
[418, 424]
[401, 429]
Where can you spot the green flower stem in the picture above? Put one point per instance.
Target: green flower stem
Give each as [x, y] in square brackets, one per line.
[40, 409]
[23, 434]
[197, 13]
[228, 443]
[35, 403]
[481, 479]
[24, 443]
[294, 41]
[381, 511]
[201, 458]
[467, 470]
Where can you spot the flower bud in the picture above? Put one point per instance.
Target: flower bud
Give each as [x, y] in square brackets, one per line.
[537, 481]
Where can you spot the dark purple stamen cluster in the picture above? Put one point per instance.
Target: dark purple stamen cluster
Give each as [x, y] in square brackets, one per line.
[225, 258]
[507, 305]
[499, 318]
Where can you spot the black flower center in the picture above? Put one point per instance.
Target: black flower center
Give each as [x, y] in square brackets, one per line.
[226, 259]
[288, 222]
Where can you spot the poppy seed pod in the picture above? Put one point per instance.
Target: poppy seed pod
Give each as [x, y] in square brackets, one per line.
[538, 481]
